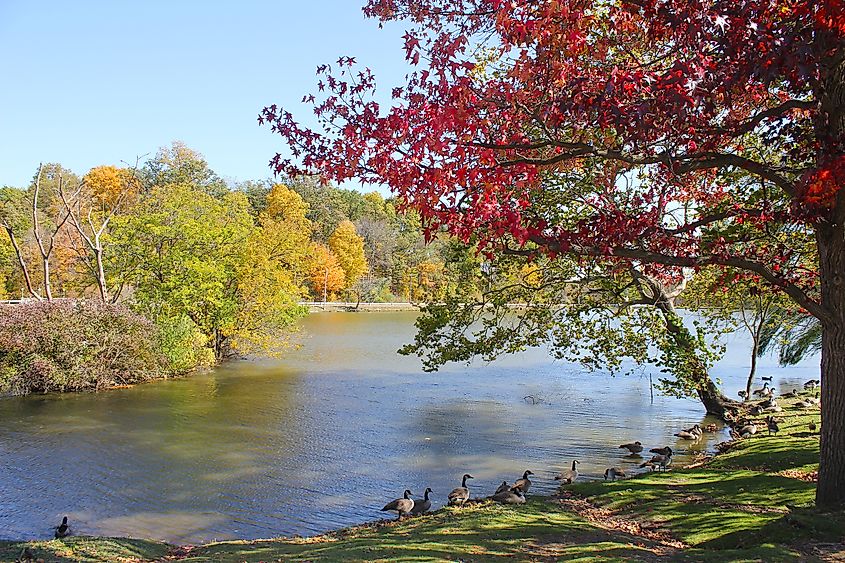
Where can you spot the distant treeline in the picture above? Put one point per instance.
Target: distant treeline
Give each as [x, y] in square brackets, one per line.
[218, 267]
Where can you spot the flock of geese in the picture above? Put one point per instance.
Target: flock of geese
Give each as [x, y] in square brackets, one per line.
[659, 461]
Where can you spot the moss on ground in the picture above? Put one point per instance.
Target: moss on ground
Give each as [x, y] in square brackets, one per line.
[751, 503]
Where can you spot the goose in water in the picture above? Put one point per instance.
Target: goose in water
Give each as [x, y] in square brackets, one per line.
[460, 495]
[510, 496]
[502, 488]
[665, 450]
[693, 433]
[613, 473]
[771, 425]
[634, 447]
[569, 476]
[523, 484]
[62, 530]
[659, 460]
[402, 506]
[422, 506]
[766, 378]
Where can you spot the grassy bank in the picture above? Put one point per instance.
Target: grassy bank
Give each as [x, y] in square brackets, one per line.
[751, 503]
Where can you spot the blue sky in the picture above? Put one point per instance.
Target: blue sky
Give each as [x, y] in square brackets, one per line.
[90, 83]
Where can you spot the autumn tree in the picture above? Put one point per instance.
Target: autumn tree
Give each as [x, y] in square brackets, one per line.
[642, 121]
[327, 275]
[349, 249]
[105, 191]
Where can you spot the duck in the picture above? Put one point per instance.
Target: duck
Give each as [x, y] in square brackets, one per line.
[633, 447]
[523, 484]
[62, 530]
[510, 496]
[659, 460]
[422, 506]
[613, 473]
[568, 477]
[402, 506]
[665, 450]
[503, 487]
[460, 495]
[771, 425]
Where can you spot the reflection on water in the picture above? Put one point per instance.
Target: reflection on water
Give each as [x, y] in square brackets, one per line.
[323, 438]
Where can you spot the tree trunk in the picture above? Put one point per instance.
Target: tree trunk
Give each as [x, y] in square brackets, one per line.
[101, 273]
[830, 491]
[755, 348]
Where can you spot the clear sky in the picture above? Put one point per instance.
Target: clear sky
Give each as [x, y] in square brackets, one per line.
[86, 83]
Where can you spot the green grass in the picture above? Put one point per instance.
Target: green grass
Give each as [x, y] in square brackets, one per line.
[752, 503]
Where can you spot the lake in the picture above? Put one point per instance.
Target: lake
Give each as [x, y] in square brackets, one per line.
[324, 437]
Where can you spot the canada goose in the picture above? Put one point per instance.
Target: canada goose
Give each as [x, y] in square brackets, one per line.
[402, 505]
[569, 476]
[659, 460]
[693, 433]
[773, 408]
[634, 447]
[613, 472]
[665, 450]
[422, 506]
[812, 384]
[815, 401]
[743, 394]
[503, 487]
[770, 402]
[789, 394]
[766, 378]
[62, 530]
[761, 391]
[747, 430]
[812, 427]
[510, 496]
[460, 495]
[803, 404]
[523, 484]
[711, 428]
[771, 425]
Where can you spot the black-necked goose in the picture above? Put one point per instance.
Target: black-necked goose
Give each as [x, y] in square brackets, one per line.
[460, 495]
[569, 476]
[523, 484]
[402, 506]
[422, 506]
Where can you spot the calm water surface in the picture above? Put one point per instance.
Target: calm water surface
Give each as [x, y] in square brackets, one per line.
[323, 438]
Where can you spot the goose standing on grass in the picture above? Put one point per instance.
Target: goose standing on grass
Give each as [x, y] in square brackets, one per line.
[510, 496]
[523, 484]
[62, 530]
[613, 473]
[659, 460]
[568, 477]
[743, 394]
[422, 506]
[812, 384]
[402, 506]
[771, 425]
[633, 447]
[762, 391]
[460, 495]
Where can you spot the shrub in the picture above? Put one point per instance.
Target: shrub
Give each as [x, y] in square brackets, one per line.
[76, 346]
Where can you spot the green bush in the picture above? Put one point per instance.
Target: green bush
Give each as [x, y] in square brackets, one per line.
[78, 346]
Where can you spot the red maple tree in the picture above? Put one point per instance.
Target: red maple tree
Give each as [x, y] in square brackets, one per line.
[714, 131]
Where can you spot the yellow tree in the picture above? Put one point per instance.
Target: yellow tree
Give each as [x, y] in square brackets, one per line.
[349, 249]
[105, 191]
[327, 275]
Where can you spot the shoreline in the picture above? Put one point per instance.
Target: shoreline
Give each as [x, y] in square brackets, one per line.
[751, 501]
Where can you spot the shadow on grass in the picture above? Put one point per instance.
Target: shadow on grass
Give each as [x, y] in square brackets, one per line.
[86, 549]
